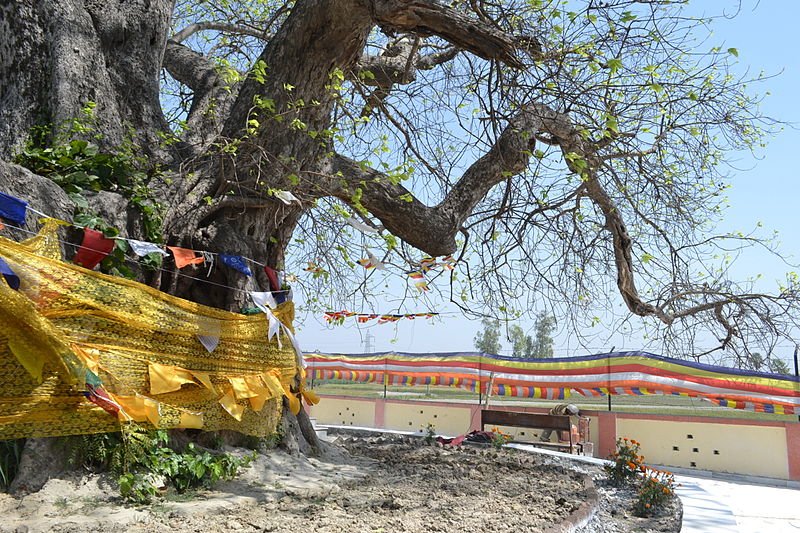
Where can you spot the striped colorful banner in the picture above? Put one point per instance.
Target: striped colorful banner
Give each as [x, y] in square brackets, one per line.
[620, 373]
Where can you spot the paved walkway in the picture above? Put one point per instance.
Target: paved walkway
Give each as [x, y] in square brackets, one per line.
[718, 503]
[711, 505]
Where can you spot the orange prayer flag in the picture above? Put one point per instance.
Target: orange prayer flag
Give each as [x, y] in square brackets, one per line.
[184, 256]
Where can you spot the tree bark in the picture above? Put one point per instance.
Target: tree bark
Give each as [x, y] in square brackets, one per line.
[58, 55]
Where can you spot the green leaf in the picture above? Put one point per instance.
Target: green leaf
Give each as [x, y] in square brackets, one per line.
[734, 52]
[614, 65]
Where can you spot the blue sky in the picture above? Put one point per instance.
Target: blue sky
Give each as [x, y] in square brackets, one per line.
[763, 191]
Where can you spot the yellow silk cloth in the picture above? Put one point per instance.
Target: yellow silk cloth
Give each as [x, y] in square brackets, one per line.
[141, 343]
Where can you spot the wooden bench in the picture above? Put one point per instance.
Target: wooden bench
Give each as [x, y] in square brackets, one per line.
[534, 421]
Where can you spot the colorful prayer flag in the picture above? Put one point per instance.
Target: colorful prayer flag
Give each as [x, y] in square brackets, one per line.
[236, 262]
[142, 248]
[13, 209]
[371, 262]
[94, 248]
[10, 276]
[184, 256]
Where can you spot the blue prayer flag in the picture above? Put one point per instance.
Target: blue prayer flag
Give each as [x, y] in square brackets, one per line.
[11, 278]
[236, 262]
[12, 208]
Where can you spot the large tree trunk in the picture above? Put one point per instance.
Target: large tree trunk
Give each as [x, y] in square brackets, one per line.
[56, 56]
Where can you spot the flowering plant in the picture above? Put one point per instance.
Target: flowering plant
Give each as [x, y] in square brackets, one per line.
[656, 488]
[499, 439]
[627, 462]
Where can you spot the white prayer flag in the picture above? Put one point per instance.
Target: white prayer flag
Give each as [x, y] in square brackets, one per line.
[360, 226]
[263, 300]
[142, 248]
[286, 197]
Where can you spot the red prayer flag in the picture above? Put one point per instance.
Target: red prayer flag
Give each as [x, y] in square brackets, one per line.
[272, 275]
[94, 248]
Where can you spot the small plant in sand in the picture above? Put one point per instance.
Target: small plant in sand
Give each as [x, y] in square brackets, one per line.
[499, 439]
[626, 462]
[430, 434]
[657, 487]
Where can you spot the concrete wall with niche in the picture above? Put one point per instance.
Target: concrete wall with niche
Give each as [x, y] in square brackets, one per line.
[449, 420]
[720, 447]
[345, 412]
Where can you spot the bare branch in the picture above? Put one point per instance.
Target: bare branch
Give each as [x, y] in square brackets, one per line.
[224, 27]
[397, 63]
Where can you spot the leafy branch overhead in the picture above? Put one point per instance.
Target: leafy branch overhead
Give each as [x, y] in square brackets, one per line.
[556, 151]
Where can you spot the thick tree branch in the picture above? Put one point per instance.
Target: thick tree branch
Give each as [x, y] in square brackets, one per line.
[427, 17]
[433, 229]
[190, 68]
[211, 97]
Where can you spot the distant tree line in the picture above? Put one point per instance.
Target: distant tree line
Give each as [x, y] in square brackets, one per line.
[539, 345]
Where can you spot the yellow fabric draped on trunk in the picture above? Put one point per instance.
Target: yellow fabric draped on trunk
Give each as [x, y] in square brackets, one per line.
[70, 334]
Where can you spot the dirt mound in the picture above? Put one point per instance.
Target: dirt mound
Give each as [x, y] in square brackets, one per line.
[374, 484]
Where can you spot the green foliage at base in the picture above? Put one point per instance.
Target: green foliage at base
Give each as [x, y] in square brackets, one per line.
[656, 488]
[145, 465]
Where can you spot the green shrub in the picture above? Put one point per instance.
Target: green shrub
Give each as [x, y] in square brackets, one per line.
[655, 487]
[500, 439]
[143, 462]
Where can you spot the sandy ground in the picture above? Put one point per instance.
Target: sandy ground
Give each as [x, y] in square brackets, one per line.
[365, 484]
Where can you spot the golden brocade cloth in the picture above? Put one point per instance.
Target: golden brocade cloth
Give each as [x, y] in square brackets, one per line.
[82, 352]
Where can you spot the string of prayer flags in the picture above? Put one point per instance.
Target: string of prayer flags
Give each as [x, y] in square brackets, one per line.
[338, 317]
[429, 263]
[371, 262]
[236, 262]
[10, 276]
[13, 209]
[142, 248]
[184, 256]
[94, 248]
